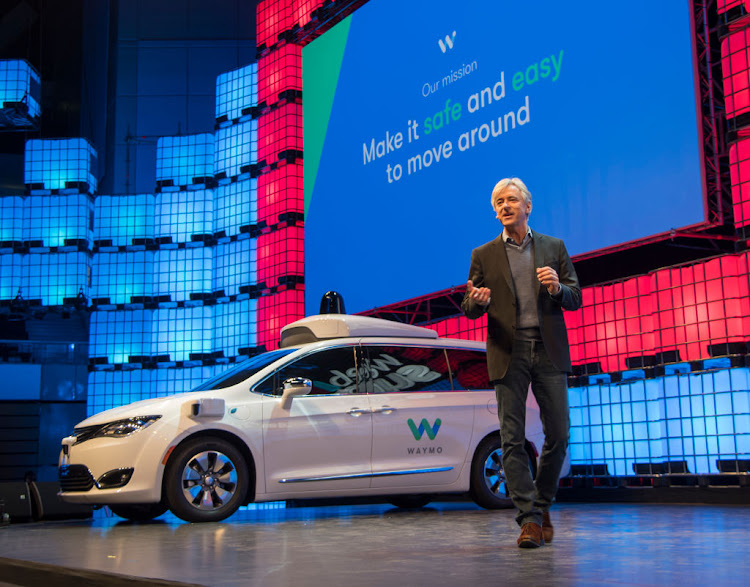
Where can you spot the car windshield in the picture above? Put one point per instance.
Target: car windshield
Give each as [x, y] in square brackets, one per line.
[242, 371]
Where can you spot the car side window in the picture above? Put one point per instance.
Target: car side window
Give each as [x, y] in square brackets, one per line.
[469, 369]
[392, 368]
[332, 372]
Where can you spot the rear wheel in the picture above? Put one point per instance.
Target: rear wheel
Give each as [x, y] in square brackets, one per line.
[138, 512]
[489, 488]
[206, 480]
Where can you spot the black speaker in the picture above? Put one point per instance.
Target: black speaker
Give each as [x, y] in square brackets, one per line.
[49, 506]
[16, 501]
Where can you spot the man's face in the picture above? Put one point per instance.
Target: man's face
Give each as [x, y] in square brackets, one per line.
[511, 209]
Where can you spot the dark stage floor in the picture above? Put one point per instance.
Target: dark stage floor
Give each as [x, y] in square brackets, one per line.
[363, 545]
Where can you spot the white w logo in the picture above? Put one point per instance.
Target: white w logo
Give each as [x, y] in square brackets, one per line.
[448, 42]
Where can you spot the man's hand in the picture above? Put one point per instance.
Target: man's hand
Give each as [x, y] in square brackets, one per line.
[481, 295]
[548, 277]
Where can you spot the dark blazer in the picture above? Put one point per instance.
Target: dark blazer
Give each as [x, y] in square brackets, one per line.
[490, 268]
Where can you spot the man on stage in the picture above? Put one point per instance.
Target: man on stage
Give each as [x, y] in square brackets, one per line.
[523, 280]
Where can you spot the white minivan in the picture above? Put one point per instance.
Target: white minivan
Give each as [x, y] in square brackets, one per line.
[347, 406]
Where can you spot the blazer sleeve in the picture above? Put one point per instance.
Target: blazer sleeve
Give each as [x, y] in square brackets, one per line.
[569, 296]
[470, 308]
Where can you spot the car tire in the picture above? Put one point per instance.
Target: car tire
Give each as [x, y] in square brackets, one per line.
[409, 502]
[488, 486]
[206, 480]
[138, 512]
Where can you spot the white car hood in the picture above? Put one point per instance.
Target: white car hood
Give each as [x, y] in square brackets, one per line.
[146, 407]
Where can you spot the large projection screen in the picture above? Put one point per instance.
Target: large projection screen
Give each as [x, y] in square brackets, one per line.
[414, 110]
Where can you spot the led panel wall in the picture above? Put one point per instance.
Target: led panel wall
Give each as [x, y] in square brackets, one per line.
[185, 160]
[405, 140]
[60, 164]
[180, 332]
[181, 215]
[235, 206]
[121, 334]
[11, 218]
[236, 148]
[235, 324]
[124, 220]
[111, 389]
[181, 272]
[236, 92]
[122, 277]
[57, 220]
[234, 266]
[20, 83]
[52, 277]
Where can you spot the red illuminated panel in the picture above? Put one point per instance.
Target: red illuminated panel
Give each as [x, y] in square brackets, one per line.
[279, 130]
[734, 63]
[723, 5]
[461, 327]
[279, 71]
[280, 253]
[275, 312]
[272, 18]
[739, 171]
[302, 10]
[280, 190]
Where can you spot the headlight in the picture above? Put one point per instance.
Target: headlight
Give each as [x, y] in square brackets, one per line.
[116, 429]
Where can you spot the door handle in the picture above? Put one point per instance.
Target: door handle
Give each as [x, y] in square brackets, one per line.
[384, 410]
[357, 412]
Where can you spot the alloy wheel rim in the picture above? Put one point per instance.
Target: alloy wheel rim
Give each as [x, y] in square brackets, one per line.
[494, 474]
[209, 480]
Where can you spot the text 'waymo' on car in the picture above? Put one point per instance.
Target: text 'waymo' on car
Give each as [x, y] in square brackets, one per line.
[347, 406]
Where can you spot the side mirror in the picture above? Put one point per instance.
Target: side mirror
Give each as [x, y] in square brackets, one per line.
[294, 387]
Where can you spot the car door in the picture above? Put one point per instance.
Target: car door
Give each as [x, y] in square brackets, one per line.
[322, 441]
[421, 428]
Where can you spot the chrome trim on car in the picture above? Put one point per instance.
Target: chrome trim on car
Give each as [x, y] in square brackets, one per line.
[365, 475]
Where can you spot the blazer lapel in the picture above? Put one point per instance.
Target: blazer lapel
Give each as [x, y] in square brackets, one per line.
[498, 252]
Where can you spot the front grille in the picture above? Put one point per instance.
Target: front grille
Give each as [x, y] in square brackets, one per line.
[75, 478]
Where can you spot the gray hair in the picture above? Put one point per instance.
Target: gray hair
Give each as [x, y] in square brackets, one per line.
[505, 183]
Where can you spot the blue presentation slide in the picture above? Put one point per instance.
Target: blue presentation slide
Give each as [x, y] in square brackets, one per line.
[414, 110]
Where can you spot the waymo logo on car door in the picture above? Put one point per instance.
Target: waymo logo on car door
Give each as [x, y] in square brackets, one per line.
[424, 426]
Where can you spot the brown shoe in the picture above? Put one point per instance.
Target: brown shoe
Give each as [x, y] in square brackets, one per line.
[548, 530]
[531, 536]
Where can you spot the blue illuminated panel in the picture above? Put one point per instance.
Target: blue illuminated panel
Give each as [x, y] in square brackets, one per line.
[179, 215]
[60, 164]
[696, 417]
[120, 334]
[11, 218]
[11, 276]
[56, 219]
[235, 205]
[183, 160]
[178, 332]
[236, 92]
[234, 325]
[122, 276]
[20, 83]
[51, 277]
[236, 148]
[234, 266]
[121, 219]
[180, 272]
[110, 389]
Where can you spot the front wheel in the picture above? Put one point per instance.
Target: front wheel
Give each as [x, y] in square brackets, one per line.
[206, 480]
[489, 488]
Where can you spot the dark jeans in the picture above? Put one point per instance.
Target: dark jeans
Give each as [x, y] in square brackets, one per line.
[530, 364]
